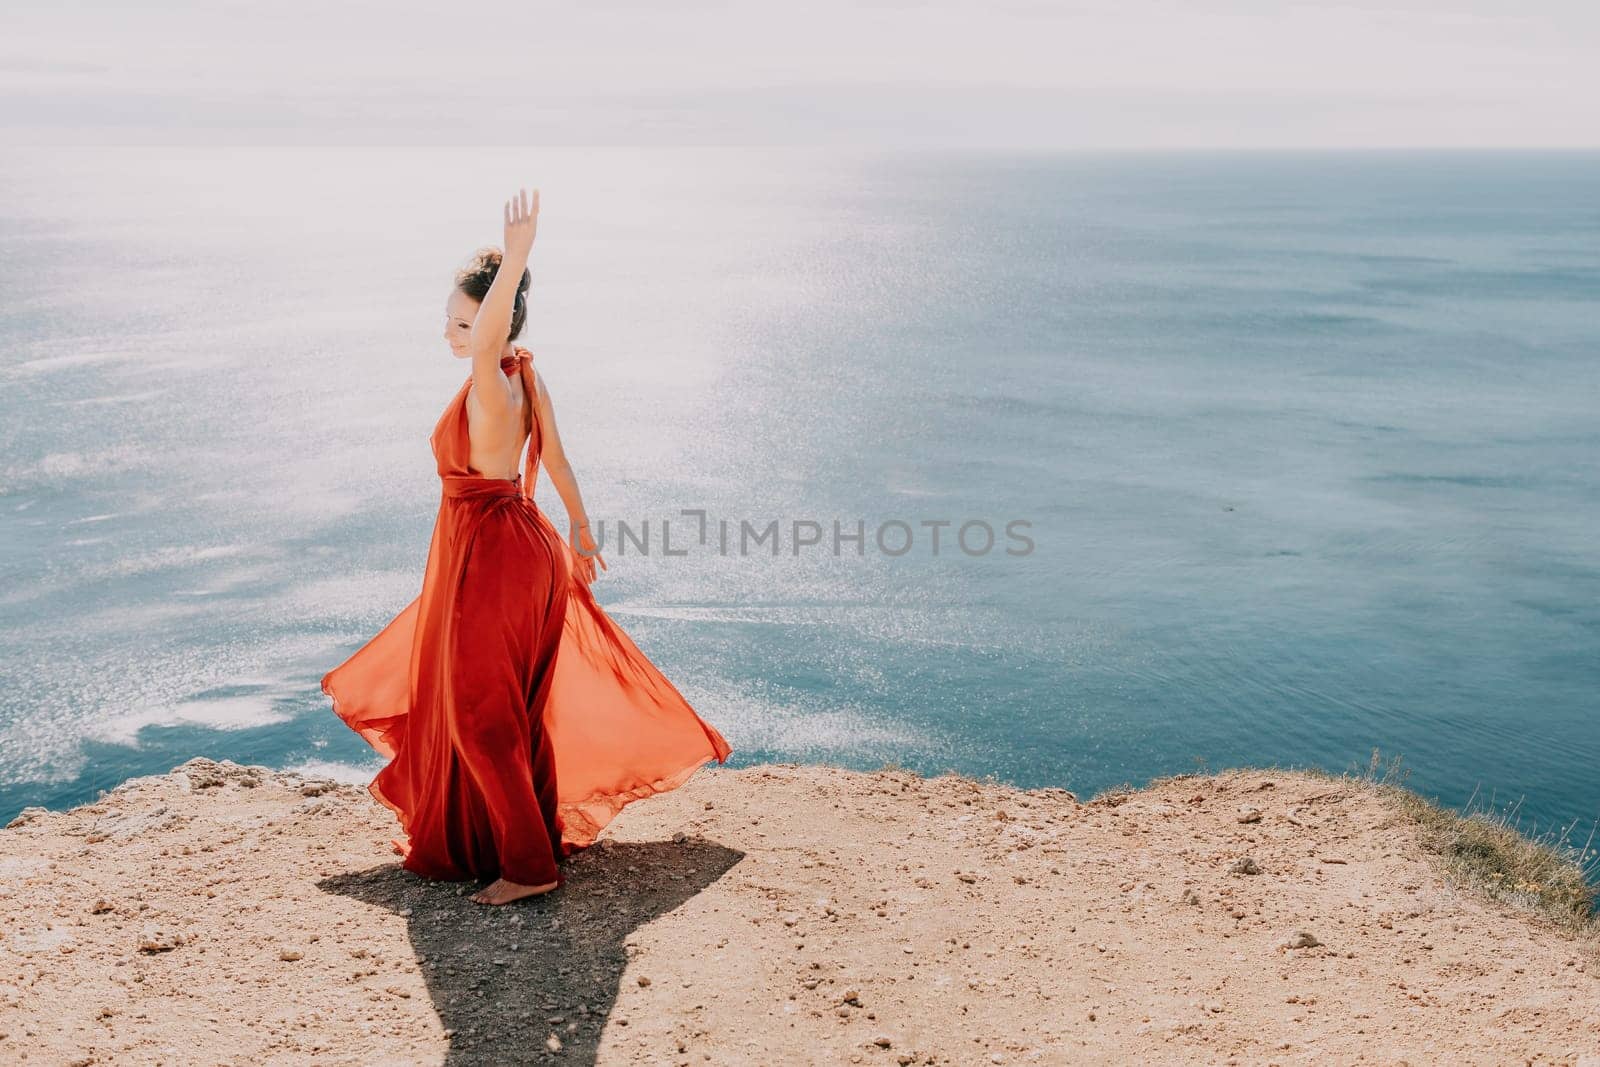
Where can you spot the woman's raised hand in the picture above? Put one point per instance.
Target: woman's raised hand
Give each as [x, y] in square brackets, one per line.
[522, 222]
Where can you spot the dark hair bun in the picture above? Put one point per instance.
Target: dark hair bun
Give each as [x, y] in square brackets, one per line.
[478, 274]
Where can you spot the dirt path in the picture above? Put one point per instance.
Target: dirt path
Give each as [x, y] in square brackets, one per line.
[777, 914]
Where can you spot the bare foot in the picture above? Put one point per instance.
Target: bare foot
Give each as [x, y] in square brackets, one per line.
[501, 891]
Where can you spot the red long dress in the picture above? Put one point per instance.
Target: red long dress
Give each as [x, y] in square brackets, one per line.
[518, 718]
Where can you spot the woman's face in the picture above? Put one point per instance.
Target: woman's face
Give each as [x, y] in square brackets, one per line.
[459, 312]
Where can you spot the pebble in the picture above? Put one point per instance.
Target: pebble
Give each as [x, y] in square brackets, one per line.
[1249, 814]
[157, 939]
[1244, 865]
[26, 816]
[1301, 939]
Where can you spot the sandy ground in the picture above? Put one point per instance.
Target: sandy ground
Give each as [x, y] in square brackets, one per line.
[777, 914]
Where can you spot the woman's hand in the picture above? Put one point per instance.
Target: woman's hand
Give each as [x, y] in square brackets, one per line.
[589, 552]
[522, 222]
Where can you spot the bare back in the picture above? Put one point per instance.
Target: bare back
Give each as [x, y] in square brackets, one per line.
[496, 446]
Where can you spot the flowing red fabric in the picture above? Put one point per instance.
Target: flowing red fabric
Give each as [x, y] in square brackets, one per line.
[517, 717]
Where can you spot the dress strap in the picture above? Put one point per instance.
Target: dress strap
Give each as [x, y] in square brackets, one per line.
[530, 465]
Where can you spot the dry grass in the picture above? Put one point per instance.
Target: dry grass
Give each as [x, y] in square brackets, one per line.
[1480, 848]
[1488, 850]
[1484, 849]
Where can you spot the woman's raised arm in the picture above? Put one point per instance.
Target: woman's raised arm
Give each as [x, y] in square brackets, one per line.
[488, 339]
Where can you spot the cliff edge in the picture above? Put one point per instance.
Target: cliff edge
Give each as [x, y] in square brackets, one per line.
[781, 914]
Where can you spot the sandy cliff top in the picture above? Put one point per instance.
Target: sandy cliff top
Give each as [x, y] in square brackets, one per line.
[779, 914]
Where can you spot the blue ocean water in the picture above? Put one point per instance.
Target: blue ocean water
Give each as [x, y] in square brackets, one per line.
[1304, 445]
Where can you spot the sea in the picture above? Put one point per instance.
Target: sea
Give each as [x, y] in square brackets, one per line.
[1073, 469]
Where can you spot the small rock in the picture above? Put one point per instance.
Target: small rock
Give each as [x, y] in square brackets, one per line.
[1249, 814]
[1301, 939]
[1244, 865]
[882, 1041]
[643, 981]
[159, 939]
[553, 1043]
[100, 906]
[289, 955]
[26, 816]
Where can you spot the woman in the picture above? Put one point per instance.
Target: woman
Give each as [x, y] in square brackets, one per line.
[517, 717]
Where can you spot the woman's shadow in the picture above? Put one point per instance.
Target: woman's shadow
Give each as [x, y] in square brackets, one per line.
[504, 978]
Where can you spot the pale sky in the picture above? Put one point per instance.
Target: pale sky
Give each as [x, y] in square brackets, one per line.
[1090, 74]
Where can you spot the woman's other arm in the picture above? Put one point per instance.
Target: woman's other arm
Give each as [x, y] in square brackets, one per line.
[554, 459]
